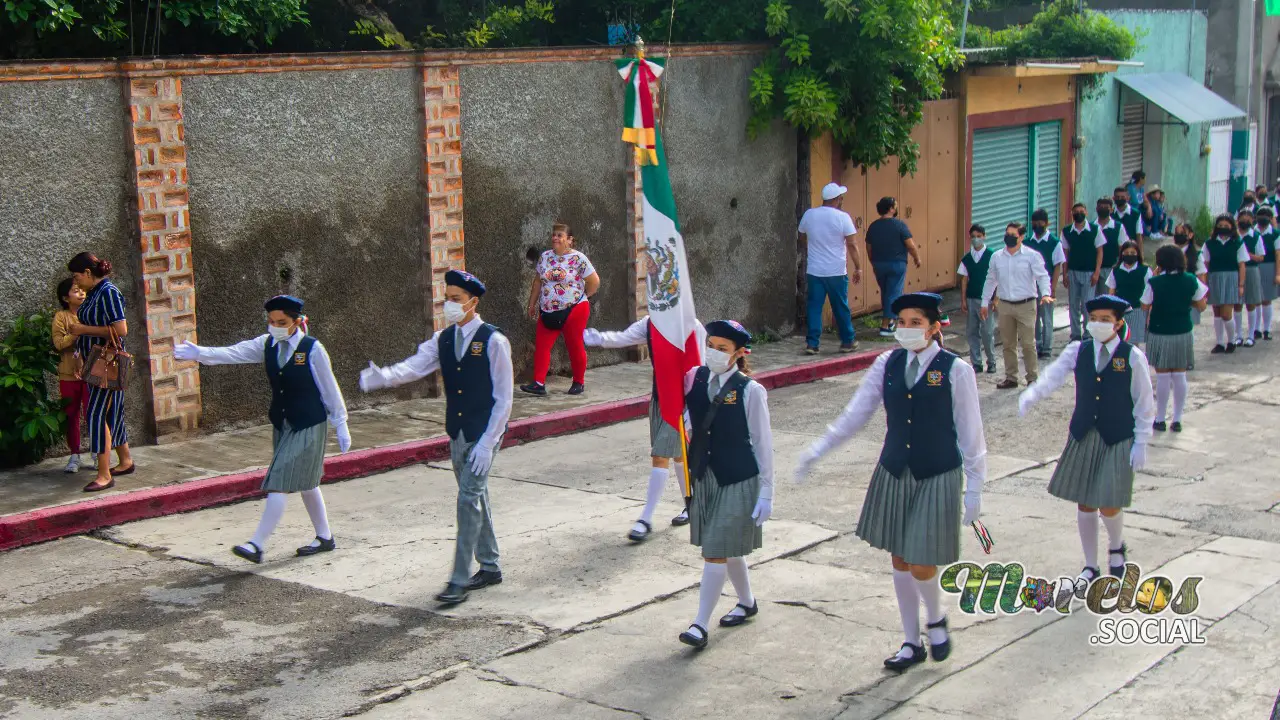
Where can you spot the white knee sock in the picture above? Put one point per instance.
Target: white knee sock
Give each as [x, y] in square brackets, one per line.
[319, 518]
[1266, 318]
[904, 586]
[1179, 395]
[931, 593]
[740, 576]
[1087, 522]
[1219, 325]
[1255, 317]
[1162, 396]
[1230, 325]
[657, 483]
[1115, 530]
[271, 514]
[713, 575]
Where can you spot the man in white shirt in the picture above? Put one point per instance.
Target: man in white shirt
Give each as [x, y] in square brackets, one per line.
[826, 236]
[1018, 277]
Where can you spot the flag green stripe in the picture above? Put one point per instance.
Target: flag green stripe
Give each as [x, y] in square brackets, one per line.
[657, 183]
[629, 107]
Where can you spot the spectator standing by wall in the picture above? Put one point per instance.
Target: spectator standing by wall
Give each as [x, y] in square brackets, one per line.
[889, 243]
[560, 302]
[827, 237]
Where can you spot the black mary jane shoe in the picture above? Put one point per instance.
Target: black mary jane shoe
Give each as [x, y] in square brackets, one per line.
[1257, 335]
[1267, 336]
[734, 620]
[452, 594]
[942, 650]
[692, 640]
[636, 536]
[1086, 578]
[576, 389]
[1176, 426]
[324, 546]
[899, 663]
[1118, 570]
[681, 519]
[1218, 350]
[1159, 426]
[1231, 347]
[254, 556]
[534, 388]
[484, 578]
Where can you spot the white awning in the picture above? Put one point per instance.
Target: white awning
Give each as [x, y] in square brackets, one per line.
[1181, 97]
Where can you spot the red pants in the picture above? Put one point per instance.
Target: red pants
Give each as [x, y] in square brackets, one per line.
[75, 393]
[573, 328]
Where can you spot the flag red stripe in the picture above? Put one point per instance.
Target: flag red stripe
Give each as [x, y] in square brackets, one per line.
[646, 100]
[670, 364]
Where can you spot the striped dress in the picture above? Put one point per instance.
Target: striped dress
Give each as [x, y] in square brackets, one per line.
[103, 306]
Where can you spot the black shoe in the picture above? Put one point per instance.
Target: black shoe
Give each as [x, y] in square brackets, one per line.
[689, 638]
[576, 389]
[1042, 356]
[1118, 571]
[1217, 350]
[846, 349]
[681, 520]
[1257, 334]
[1231, 347]
[1266, 336]
[991, 369]
[253, 556]
[734, 620]
[534, 389]
[1159, 426]
[324, 546]
[942, 650]
[484, 578]
[453, 594]
[1248, 342]
[918, 655]
[1176, 426]
[637, 536]
[1006, 384]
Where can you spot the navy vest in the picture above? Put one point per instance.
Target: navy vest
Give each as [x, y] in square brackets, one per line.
[921, 427]
[294, 394]
[1111, 251]
[468, 386]
[1102, 397]
[728, 443]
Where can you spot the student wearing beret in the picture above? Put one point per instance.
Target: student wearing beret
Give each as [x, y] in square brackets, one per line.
[664, 440]
[1109, 430]
[731, 461]
[934, 453]
[304, 394]
[474, 360]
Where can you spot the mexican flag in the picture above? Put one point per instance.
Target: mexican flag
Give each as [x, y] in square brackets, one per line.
[671, 314]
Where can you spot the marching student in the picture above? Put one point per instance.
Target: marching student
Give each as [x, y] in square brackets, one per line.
[474, 360]
[934, 451]
[1055, 261]
[1128, 281]
[1267, 269]
[1109, 430]
[304, 393]
[1083, 244]
[664, 440]
[1253, 244]
[1168, 299]
[731, 457]
[1129, 216]
[1227, 258]
[1114, 234]
[973, 277]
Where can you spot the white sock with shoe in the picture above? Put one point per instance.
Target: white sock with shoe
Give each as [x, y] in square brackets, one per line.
[740, 576]
[931, 594]
[1180, 388]
[1219, 325]
[1162, 395]
[1087, 523]
[1115, 532]
[271, 514]
[319, 517]
[904, 586]
[713, 575]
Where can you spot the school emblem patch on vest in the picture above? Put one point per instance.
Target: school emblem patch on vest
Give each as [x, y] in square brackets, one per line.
[300, 358]
[934, 378]
[731, 397]
[477, 348]
[1118, 364]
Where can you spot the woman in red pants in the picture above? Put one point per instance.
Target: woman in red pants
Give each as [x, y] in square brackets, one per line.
[560, 301]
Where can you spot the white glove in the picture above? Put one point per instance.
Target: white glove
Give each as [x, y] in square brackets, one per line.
[592, 338]
[764, 508]
[344, 438]
[186, 351]
[371, 378]
[1138, 456]
[972, 507]
[807, 460]
[1025, 401]
[481, 459]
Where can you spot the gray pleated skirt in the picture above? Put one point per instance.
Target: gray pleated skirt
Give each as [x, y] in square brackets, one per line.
[1171, 352]
[298, 461]
[720, 517]
[1095, 474]
[916, 520]
[664, 440]
[1253, 286]
[1267, 271]
[1224, 287]
[1136, 319]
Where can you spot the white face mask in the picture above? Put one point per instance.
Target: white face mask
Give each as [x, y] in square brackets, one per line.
[453, 312]
[718, 360]
[911, 338]
[978, 243]
[278, 333]
[1101, 331]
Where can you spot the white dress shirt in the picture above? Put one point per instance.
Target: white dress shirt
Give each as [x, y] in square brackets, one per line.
[1016, 276]
[1142, 230]
[1111, 279]
[254, 351]
[1098, 241]
[964, 412]
[636, 334]
[757, 408]
[1148, 296]
[427, 361]
[1122, 238]
[1059, 255]
[1144, 406]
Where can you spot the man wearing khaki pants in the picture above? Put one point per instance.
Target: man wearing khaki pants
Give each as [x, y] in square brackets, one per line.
[1019, 278]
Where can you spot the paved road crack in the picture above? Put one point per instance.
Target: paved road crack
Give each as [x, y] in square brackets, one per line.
[487, 675]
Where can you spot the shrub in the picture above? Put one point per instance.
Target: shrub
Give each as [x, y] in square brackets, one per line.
[1202, 224]
[30, 423]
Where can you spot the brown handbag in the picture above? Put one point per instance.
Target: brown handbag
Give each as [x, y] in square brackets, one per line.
[107, 366]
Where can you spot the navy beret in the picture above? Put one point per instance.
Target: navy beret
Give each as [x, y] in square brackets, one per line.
[729, 330]
[1108, 302]
[466, 281]
[919, 300]
[284, 303]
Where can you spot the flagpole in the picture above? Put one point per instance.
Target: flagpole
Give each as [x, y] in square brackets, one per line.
[684, 455]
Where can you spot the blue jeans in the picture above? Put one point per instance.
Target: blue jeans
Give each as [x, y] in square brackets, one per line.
[890, 274]
[835, 289]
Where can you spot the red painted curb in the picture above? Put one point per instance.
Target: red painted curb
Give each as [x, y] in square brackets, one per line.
[60, 521]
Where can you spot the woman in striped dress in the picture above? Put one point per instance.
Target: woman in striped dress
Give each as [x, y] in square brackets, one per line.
[731, 462]
[1128, 282]
[1227, 258]
[1251, 309]
[1168, 299]
[304, 394]
[100, 315]
[1109, 429]
[913, 503]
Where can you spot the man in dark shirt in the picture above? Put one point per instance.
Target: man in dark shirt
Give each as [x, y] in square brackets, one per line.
[889, 242]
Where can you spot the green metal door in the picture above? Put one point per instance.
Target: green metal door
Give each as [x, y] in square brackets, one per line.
[1001, 178]
[1048, 170]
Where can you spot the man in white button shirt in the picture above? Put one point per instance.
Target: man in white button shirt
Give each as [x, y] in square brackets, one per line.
[826, 235]
[1019, 278]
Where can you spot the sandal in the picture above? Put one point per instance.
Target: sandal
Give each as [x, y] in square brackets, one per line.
[95, 487]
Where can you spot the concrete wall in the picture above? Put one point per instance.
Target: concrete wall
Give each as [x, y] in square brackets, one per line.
[64, 189]
[306, 183]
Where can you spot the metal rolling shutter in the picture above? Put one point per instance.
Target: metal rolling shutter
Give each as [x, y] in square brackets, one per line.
[1131, 140]
[1048, 170]
[1000, 177]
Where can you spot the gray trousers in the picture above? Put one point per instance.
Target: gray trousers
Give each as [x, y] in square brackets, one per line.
[475, 521]
[1101, 287]
[1079, 292]
[1044, 329]
[981, 336]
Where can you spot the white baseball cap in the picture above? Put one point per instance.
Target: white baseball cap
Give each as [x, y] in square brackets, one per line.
[833, 191]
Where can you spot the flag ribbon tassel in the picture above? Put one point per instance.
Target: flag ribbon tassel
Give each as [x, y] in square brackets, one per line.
[641, 74]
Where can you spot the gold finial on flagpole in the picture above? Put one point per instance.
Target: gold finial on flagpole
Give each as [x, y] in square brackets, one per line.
[639, 48]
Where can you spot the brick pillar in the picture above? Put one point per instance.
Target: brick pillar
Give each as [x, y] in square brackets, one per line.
[442, 175]
[164, 242]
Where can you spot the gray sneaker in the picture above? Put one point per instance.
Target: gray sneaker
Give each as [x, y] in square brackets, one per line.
[73, 465]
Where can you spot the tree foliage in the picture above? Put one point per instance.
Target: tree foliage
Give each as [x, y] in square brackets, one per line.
[30, 422]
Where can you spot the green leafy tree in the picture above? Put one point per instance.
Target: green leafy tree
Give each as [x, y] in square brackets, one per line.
[30, 422]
